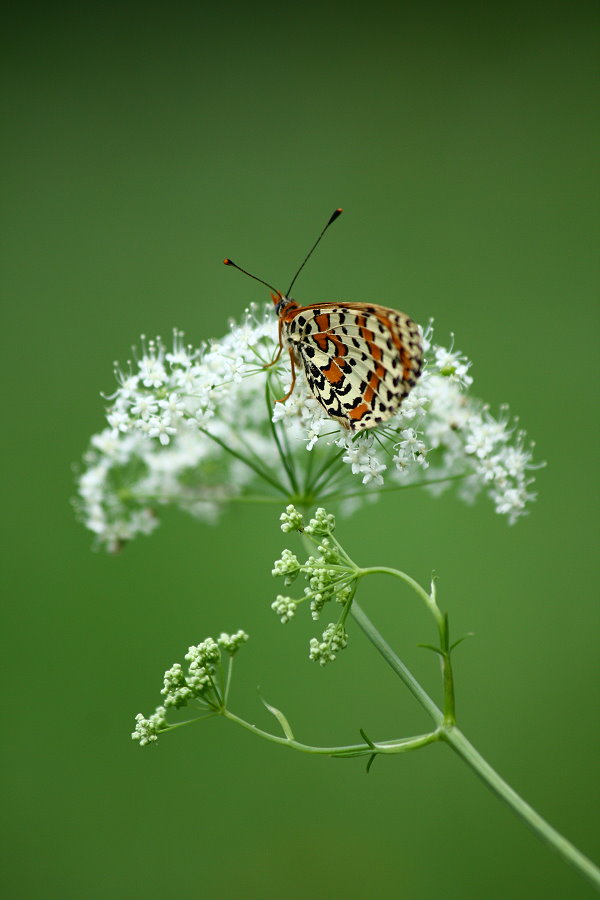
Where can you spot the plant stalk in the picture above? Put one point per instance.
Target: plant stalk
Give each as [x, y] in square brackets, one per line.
[451, 735]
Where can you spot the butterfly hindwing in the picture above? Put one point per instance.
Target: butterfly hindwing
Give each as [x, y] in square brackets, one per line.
[360, 359]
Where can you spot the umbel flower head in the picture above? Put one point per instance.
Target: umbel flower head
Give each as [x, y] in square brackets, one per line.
[330, 576]
[201, 427]
[201, 687]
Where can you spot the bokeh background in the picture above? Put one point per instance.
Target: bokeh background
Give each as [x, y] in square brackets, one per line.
[142, 144]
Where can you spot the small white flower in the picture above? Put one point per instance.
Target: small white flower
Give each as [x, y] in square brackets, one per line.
[152, 372]
[410, 450]
[144, 406]
[372, 471]
[511, 502]
[161, 428]
[413, 406]
[236, 369]
[107, 442]
[118, 420]
[491, 469]
[516, 460]
[354, 456]
[129, 384]
[179, 355]
[484, 437]
[453, 365]
[362, 457]
[172, 405]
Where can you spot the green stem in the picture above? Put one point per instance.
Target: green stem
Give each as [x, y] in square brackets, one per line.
[287, 461]
[443, 631]
[343, 495]
[459, 743]
[447, 674]
[314, 486]
[397, 573]
[259, 471]
[397, 665]
[228, 680]
[252, 498]
[384, 747]
[475, 760]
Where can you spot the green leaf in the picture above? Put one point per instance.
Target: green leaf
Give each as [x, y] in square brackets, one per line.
[431, 647]
[367, 739]
[371, 760]
[285, 725]
[463, 638]
[433, 586]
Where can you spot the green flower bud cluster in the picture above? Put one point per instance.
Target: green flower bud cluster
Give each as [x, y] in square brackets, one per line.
[322, 523]
[201, 683]
[147, 730]
[291, 519]
[330, 576]
[335, 638]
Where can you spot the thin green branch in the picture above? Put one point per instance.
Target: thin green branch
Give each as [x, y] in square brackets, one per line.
[345, 495]
[327, 464]
[417, 588]
[397, 665]
[174, 725]
[459, 743]
[402, 745]
[308, 470]
[287, 460]
[251, 498]
[447, 672]
[228, 680]
[259, 471]
[443, 627]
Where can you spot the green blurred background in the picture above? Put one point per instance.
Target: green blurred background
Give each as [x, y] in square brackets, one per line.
[142, 144]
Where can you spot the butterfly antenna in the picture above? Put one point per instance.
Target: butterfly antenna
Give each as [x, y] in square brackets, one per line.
[332, 219]
[230, 262]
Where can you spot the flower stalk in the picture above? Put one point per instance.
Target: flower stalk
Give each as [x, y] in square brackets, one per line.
[450, 734]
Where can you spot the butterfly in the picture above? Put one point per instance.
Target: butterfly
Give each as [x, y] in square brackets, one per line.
[360, 359]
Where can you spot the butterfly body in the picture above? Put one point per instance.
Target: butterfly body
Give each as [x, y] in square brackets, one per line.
[360, 359]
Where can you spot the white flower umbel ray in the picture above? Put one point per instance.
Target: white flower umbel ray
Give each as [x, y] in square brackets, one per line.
[201, 428]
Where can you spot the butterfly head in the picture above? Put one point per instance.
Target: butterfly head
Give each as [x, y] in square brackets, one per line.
[282, 303]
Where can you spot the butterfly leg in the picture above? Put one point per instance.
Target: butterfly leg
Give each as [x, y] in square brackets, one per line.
[279, 351]
[283, 399]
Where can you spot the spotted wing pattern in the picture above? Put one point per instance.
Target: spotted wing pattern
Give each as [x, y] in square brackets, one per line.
[360, 360]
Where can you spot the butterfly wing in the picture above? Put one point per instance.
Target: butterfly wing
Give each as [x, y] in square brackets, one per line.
[360, 359]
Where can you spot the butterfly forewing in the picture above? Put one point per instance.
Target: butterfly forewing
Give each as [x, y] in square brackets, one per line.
[360, 359]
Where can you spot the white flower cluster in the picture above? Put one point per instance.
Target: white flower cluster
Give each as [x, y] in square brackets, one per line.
[200, 428]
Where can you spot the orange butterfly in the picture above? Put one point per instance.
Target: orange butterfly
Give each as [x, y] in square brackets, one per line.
[360, 359]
